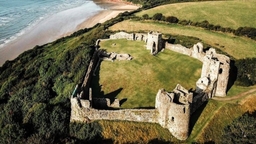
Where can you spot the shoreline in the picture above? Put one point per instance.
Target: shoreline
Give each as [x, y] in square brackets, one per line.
[109, 9]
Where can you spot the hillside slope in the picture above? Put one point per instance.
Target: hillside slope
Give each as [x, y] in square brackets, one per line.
[233, 14]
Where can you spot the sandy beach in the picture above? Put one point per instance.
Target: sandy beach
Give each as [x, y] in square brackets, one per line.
[46, 34]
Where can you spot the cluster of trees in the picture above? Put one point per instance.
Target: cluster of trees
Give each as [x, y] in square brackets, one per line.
[35, 90]
[249, 32]
[161, 17]
[241, 130]
[246, 71]
[147, 4]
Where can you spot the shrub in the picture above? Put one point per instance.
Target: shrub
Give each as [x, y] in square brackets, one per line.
[145, 16]
[86, 132]
[203, 24]
[246, 31]
[184, 22]
[246, 75]
[157, 16]
[242, 130]
[172, 19]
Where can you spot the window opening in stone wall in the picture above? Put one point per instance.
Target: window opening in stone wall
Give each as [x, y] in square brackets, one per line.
[184, 110]
[173, 119]
[220, 71]
[154, 47]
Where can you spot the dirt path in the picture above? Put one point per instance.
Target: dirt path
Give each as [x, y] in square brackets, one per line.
[235, 97]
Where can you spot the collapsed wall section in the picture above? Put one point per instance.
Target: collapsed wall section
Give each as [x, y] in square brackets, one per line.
[122, 35]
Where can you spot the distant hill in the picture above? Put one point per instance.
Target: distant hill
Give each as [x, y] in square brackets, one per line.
[233, 14]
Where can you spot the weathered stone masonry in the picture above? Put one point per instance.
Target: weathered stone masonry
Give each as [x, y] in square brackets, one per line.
[172, 109]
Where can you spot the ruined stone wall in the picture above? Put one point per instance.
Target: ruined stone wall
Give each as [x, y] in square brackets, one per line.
[88, 75]
[215, 69]
[141, 37]
[174, 114]
[105, 103]
[178, 48]
[172, 110]
[195, 52]
[83, 114]
[122, 35]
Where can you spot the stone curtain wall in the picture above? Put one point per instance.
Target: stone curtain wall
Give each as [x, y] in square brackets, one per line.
[195, 52]
[122, 35]
[172, 110]
[83, 114]
[88, 75]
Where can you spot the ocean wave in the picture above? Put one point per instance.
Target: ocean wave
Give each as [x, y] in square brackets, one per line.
[16, 19]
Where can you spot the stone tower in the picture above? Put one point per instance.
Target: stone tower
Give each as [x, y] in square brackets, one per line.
[174, 111]
[154, 42]
[215, 74]
[223, 72]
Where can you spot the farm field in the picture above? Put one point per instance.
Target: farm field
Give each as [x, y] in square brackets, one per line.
[233, 14]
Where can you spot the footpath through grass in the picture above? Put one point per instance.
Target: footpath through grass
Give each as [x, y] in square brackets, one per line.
[238, 47]
[233, 14]
[139, 80]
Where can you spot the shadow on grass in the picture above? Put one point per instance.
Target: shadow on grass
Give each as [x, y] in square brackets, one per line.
[149, 107]
[195, 116]
[232, 75]
[97, 88]
[112, 96]
[122, 101]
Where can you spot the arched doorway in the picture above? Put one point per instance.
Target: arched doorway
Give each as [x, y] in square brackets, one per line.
[154, 48]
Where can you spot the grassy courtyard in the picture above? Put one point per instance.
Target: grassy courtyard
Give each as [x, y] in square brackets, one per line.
[139, 80]
[237, 47]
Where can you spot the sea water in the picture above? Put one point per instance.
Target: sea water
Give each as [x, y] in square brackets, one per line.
[19, 16]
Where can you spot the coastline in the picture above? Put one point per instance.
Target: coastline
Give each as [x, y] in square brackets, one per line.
[109, 9]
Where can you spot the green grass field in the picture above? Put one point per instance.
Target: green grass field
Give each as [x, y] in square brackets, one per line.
[231, 14]
[140, 79]
[136, 76]
[238, 47]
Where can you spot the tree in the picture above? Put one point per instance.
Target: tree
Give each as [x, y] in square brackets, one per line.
[172, 19]
[145, 16]
[157, 16]
[246, 75]
[241, 130]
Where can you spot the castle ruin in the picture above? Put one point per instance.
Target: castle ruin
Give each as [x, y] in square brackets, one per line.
[172, 109]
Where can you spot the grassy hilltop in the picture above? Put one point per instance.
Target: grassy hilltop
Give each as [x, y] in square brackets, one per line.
[231, 14]
[35, 87]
